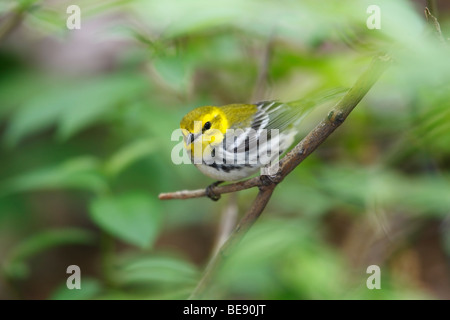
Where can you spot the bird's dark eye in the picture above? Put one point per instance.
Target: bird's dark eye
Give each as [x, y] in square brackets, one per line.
[207, 126]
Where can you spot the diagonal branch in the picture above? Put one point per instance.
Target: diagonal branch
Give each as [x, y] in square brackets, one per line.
[292, 159]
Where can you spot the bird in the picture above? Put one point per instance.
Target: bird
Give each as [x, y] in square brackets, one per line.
[234, 141]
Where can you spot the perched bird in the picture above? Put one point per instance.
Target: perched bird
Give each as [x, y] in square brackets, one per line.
[234, 141]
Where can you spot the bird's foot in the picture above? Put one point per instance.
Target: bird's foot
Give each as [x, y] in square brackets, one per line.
[267, 180]
[210, 193]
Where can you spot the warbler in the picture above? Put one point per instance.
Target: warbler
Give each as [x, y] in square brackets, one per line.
[234, 141]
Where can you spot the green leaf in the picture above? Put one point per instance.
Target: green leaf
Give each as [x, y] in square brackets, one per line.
[15, 265]
[49, 20]
[72, 106]
[90, 288]
[38, 112]
[13, 85]
[174, 70]
[133, 217]
[157, 269]
[95, 100]
[82, 173]
[129, 154]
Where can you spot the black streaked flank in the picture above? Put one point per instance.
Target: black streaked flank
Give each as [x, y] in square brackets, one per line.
[227, 167]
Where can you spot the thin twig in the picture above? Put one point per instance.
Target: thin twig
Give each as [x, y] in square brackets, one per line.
[434, 23]
[227, 222]
[187, 194]
[266, 186]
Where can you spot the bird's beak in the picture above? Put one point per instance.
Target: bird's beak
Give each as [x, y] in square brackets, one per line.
[190, 137]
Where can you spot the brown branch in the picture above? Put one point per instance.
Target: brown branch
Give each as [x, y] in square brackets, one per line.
[266, 186]
[187, 194]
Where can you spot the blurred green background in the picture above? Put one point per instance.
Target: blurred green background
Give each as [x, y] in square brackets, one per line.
[86, 118]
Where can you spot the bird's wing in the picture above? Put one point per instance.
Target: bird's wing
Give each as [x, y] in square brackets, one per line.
[274, 115]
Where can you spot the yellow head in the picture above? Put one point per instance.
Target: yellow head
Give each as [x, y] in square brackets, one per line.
[206, 123]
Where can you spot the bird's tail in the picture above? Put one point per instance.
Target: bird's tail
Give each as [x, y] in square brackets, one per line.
[305, 105]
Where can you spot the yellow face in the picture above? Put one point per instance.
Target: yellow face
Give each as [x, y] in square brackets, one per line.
[205, 126]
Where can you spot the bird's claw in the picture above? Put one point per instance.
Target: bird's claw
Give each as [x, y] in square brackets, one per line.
[267, 180]
[210, 193]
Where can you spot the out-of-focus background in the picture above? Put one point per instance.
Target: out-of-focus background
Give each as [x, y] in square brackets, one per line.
[86, 118]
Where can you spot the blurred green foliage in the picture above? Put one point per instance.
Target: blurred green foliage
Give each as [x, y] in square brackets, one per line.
[86, 118]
